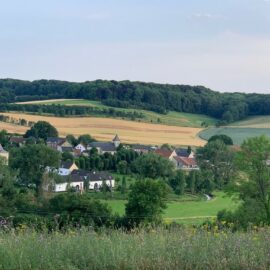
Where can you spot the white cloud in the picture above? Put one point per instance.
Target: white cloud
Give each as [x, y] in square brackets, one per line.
[207, 16]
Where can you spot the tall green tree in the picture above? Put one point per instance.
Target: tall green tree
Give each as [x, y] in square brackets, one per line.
[222, 137]
[85, 139]
[153, 166]
[146, 201]
[7, 190]
[216, 157]
[3, 138]
[42, 130]
[254, 185]
[178, 182]
[32, 161]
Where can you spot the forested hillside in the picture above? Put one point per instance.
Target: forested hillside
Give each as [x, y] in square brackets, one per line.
[227, 107]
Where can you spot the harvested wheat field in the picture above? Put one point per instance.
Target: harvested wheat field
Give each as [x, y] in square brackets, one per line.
[12, 128]
[105, 128]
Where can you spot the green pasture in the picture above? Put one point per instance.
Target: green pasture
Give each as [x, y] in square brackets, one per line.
[254, 121]
[184, 211]
[238, 134]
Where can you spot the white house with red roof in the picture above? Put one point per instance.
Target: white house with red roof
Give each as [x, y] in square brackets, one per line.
[185, 163]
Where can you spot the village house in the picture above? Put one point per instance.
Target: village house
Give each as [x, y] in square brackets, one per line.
[80, 148]
[59, 144]
[67, 167]
[69, 182]
[183, 152]
[96, 180]
[169, 154]
[106, 147]
[142, 149]
[185, 163]
[4, 154]
[79, 178]
[17, 140]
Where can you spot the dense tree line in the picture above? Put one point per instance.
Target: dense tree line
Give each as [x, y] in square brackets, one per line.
[161, 98]
[61, 110]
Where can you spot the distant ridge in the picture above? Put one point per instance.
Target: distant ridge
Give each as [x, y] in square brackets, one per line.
[161, 98]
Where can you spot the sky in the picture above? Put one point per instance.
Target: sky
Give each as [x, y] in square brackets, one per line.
[220, 44]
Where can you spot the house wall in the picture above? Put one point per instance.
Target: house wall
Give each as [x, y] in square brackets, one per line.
[77, 184]
[73, 167]
[80, 147]
[63, 186]
[173, 155]
[60, 187]
[181, 166]
[99, 183]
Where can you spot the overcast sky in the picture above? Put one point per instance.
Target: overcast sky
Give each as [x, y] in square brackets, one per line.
[221, 44]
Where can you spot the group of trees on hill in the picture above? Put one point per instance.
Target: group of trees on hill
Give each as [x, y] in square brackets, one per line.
[227, 107]
[61, 110]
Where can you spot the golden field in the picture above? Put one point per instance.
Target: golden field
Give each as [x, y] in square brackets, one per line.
[104, 129]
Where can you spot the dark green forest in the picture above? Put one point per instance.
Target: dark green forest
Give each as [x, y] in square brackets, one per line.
[161, 98]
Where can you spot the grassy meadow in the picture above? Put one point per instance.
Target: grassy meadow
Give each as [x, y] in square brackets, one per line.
[177, 248]
[172, 118]
[185, 210]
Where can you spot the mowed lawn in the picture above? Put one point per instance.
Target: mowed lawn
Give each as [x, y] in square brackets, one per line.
[187, 211]
[104, 129]
[238, 134]
[172, 118]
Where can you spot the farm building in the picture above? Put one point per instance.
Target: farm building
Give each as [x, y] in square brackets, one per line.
[169, 154]
[79, 178]
[80, 148]
[59, 144]
[106, 147]
[185, 163]
[142, 149]
[17, 140]
[67, 167]
[183, 152]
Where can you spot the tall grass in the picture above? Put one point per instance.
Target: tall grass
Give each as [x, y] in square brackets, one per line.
[152, 249]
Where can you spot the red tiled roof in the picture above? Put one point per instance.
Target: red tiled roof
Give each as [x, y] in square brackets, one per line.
[164, 153]
[17, 139]
[186, 161]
